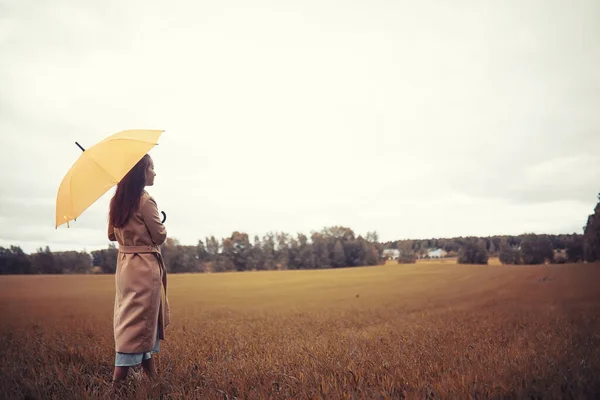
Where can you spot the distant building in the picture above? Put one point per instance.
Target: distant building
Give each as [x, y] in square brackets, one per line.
[436, 253]
[391, 254]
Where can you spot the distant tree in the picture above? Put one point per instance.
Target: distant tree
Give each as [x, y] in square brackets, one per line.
[256, 260]
[321, 251]
[73, 262]
[212, 247]
[180, 258]
[43, 262]
[173, 256]
[268, 250]
[495, 244]
[536, 249]
[307, 253]
[372, 237]
[354, 252]
[339, 232]
[201, 252]
[339, 256]
[492, 249]
[372, 254]
[188, 259]
[407, 254]
[574, 249]
[14, 261]
[295, 261]
[422, 248]
[473, 252]
[407, 258]
[223, 264]
[591, 235]
[227, 252]
[508, 254]
[106, 259]
[242, 250]
[283, 250]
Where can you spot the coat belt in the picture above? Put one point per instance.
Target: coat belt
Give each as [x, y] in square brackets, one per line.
[161, 264]
[138, 249]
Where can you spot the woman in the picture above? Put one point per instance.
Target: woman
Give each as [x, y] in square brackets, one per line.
[141, 310]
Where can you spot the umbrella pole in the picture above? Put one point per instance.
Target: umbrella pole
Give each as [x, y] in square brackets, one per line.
[78, 145]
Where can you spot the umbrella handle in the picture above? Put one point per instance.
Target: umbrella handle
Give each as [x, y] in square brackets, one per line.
[164, 216]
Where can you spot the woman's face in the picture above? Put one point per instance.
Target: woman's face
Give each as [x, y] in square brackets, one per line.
[150, 174]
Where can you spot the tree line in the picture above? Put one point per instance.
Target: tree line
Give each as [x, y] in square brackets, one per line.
[539, 249]
[332, 247]
[527, 248]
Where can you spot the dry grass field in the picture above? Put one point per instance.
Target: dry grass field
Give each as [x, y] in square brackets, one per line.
[426, 330]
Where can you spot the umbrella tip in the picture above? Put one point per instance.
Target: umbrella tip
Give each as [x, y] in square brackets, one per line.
[78, 145]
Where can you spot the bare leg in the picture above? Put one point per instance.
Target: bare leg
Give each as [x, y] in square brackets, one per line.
[120, 374]
[149, 367]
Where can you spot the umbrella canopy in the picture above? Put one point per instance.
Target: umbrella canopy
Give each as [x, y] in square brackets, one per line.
[98, 169]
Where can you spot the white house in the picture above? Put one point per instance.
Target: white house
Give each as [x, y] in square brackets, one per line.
[436, 253]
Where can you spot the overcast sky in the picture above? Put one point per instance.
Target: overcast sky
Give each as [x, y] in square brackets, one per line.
[411, 118]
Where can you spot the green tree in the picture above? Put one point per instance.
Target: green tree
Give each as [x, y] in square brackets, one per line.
[407, 258]
[371, 253]
[268, 250]
[339, 256]
[407, 255]
[226, 257]
[173, 256]
[43, 262]
[372, 237]
[321, 251]
[256, 259]
[339, 232]
[212, 247]
[201, 252]
[73, 262]
[492, 249]
[283, 250]
[536, 249]
[508, 254]
[106, 259]
[242, 250]
[14, 261]
[473, 252]
[575, 249]
[306, 253]
[222, 263]
[353, 250]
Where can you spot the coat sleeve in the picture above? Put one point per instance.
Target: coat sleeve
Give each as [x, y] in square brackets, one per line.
[111, 233]
[157, 230]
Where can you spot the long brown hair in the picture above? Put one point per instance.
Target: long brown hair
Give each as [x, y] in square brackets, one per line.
[128, 193]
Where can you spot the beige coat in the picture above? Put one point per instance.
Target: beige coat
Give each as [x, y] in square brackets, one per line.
[141, 305]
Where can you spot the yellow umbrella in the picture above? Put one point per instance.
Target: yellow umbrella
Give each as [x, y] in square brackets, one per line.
[98, 169]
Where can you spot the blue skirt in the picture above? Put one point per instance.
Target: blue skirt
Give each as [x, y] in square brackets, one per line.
[131, 359]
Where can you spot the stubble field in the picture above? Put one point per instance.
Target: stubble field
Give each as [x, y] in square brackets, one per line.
[427, 330]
